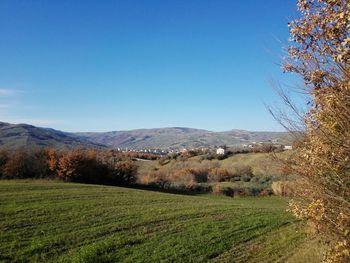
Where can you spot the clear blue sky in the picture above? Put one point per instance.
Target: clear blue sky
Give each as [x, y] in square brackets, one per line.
[117, 65]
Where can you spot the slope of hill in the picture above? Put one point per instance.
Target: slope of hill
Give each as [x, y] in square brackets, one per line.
[24, 135]
[14, 136]
[178, 138]
[65, 222]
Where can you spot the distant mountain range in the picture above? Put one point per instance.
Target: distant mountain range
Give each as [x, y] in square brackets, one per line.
[24, 135]
[14, 136]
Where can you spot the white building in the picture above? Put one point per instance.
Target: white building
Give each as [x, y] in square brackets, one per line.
[220, 151]
[288, 147]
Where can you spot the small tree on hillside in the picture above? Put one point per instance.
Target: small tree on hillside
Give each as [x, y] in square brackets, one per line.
[320, 54]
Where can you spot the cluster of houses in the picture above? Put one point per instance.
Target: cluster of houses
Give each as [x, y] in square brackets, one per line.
[221, 150]
[151, 151]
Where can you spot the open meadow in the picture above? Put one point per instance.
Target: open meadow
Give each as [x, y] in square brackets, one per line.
[49, 221]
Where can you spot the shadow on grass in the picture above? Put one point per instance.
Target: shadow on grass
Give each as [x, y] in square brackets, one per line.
[155, 188]
[169, 190]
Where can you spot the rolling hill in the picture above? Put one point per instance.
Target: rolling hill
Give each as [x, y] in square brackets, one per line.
[45, 221]
[178, 137]
[13, 136]
[24, 135]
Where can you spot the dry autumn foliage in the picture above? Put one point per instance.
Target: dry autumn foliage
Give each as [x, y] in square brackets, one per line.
[78, 165]
[320, 54]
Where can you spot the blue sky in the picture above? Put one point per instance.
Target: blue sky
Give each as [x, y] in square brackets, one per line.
[118, 65]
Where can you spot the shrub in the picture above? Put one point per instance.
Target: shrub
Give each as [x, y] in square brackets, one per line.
[219, 175]
[228, 191]
[319, 54]
[242, 170]
[80, 166]
[200, 175]
[25, 164]
[4, 157]
[216, 189]
[283, 188]
[91, 167]
[124, 173]
[53, 161]
[208, 156]
[189, 176]
[222, 190]
[85, 166]
[158, 178]
[246, 178]
[266, 192]
[18, 166]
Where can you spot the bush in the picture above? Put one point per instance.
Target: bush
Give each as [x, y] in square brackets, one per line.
[156, 178]
[78, 166]
[124, 173]
[266, 192]
[85, 166]
[91, 167]
[25, 164]
[219, 175]
[208, 156]
[200, 175]
[242, 170]
[283, 188]
[4, 157]
[18, 166]
[223, 190]
[246, 178]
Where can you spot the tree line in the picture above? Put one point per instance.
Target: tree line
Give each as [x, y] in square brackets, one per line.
[78, 165]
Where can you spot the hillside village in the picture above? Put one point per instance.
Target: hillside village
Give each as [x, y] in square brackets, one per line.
[219, 150]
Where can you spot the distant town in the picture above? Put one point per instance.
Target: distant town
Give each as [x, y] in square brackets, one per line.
[267, 146]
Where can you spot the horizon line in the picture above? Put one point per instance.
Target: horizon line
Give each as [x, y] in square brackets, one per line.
[154, 128]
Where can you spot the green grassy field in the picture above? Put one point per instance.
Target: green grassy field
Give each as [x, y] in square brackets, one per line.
[43, 221]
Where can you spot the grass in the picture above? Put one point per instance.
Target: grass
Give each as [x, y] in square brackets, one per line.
[43, 221]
